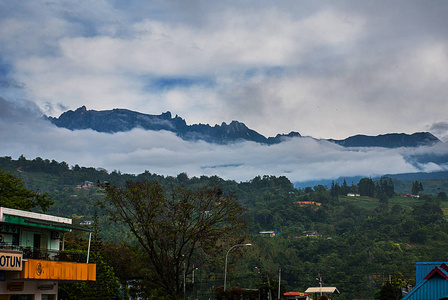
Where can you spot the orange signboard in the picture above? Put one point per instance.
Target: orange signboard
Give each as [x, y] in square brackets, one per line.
[57, 270]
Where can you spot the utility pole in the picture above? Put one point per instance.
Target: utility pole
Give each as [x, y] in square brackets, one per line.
[259, 282]
[269, 287]
[320, 284]
[185, 275]
[279, 280]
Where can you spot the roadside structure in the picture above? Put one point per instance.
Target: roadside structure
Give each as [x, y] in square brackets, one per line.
[32, 257]
[322, 290]
[296, 296]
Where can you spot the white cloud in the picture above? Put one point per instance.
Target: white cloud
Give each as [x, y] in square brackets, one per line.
[326, 69]
[164, 153]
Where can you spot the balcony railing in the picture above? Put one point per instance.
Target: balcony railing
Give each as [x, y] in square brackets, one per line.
[47, 254]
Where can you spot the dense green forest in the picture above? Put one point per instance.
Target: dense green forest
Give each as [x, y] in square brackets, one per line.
[355, 243]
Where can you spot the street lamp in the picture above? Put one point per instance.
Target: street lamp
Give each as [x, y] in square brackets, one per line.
[225, 268]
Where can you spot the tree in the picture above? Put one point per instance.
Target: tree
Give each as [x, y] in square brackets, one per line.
[442, 196]
[345, 189]
[417, 187]
[390, 292]
[335, 190]
[366, 187]
[106, 285]
[385, 188]
[176, 227]
[14, 194]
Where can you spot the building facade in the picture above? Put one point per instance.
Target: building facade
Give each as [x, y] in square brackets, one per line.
[33, 260]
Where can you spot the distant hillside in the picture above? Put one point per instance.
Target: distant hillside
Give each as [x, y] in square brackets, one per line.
[119, 120]
[391, 140]
[352, 238]
[419, 176]
[433, 183]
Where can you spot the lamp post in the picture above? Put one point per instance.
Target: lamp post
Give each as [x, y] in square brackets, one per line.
[225, 268]
[259, 282]
[193, 279]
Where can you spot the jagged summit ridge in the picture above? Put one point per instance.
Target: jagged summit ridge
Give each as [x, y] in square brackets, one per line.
[119, 120]
[115, 120]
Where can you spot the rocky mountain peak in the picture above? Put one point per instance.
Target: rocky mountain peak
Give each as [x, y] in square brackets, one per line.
[118, 120]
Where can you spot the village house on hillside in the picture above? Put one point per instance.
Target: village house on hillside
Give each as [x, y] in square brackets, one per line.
[85, 185]
[353, 195]
[310, 233]
[267, 233]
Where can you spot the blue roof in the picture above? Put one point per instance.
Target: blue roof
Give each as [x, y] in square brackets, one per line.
[433, 286]
[423, 268]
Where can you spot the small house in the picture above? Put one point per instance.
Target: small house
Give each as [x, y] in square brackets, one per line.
[267, 233]
[310, 233]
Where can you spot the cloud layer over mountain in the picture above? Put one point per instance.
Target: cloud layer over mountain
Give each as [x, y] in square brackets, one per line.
[24, 131]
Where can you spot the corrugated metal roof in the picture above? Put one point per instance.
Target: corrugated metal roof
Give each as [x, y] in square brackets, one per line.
[314, 290]
[32, 215]
[423, 268]
[433, 286]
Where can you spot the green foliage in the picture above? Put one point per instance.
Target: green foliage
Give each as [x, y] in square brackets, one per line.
[366, 187]
[176, 226]
[107, 284]
[13, 194]
[390, 292]
[417, 187]
[442, 196]
[360, 240]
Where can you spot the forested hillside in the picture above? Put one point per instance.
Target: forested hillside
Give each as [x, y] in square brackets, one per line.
[353, 242]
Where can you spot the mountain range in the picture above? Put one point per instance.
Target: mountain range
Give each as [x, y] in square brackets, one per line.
[120, 120]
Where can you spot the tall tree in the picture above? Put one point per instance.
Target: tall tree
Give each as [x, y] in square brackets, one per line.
[176, 226]
[366, 187]
[14, 194]
[417, 187]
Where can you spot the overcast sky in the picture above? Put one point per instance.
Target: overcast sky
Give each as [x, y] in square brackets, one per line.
[327, 69]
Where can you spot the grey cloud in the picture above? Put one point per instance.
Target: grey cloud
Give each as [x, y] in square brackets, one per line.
[50, 107]
[165, 154]
[6, 83]
[440, 129]
[19, 111]
[352, 66]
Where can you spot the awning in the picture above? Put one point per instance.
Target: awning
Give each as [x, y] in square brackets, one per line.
[54, 224]
[16, 220]
[326, 290]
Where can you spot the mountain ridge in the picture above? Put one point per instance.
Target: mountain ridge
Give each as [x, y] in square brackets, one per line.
[119, 120]
[390, 140]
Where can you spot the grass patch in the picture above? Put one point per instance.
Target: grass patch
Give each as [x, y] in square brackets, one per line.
[362, 201]
[406, 202]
